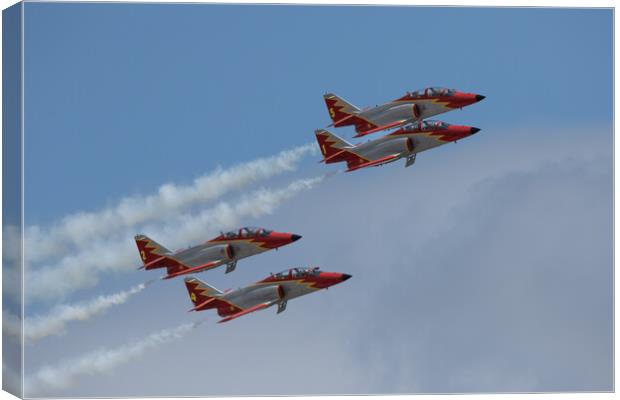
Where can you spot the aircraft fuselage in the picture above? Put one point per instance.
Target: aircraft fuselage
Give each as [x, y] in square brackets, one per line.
[410, 140]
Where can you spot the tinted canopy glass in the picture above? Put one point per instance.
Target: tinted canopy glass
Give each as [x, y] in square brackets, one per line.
[432, 92]
[247, 231]
[433, 125]
[298, 272]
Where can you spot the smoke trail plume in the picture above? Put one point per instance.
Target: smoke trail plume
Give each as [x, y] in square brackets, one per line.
[66, 373]
[82, 269]
[78, 230]
[54, 323]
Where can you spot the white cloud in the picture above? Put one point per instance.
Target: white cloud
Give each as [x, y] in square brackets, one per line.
[474, 271]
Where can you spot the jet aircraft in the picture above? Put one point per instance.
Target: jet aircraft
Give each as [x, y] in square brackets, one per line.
[405, 142]
[275, 289]
[413, 106]
[227, 249]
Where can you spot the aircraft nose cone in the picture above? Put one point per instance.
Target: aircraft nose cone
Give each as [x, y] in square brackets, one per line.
[474, 130]
[480, 97]
[295, 238]
[345, 277]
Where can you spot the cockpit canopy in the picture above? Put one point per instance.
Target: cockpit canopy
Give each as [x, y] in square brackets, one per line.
[433, 125]
[427, 125]
[298, 273]
[432, 92]
[247, 232]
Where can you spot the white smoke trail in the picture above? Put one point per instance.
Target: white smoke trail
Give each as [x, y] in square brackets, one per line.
[226, 216]
[54, 322]
[100, 361]
[80, 229]
[82, 269]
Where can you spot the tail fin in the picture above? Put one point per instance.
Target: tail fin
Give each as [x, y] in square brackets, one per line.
[336, 149]
[339, 110]
[149, 249]
[199, 292]
[332, 146]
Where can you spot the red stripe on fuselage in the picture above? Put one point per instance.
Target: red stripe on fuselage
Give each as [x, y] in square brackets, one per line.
[456, 101]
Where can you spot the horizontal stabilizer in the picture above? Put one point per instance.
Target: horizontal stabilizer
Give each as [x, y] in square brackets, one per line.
[155, 263]
[204, 304]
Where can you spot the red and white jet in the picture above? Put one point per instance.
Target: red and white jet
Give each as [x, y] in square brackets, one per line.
[413, 106]
[224, 249]
[275, 289]
[405, 142]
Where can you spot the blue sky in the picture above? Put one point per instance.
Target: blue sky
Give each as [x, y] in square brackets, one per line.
[461, 265]
[138, 95]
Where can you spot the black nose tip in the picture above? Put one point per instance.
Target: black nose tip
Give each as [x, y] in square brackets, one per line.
[480, 97]
[295, 238]
[474, 130]
[345, 277]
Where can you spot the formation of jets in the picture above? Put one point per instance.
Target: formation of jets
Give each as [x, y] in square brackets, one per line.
[413, 134]
[227, 249]
[408, 114]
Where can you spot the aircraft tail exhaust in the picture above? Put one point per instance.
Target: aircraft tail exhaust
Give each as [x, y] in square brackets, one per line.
[340, 110]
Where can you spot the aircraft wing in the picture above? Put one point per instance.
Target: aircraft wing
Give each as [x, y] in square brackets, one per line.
[381, 128]
[193, 269]
[376, 162]
[246, 311]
